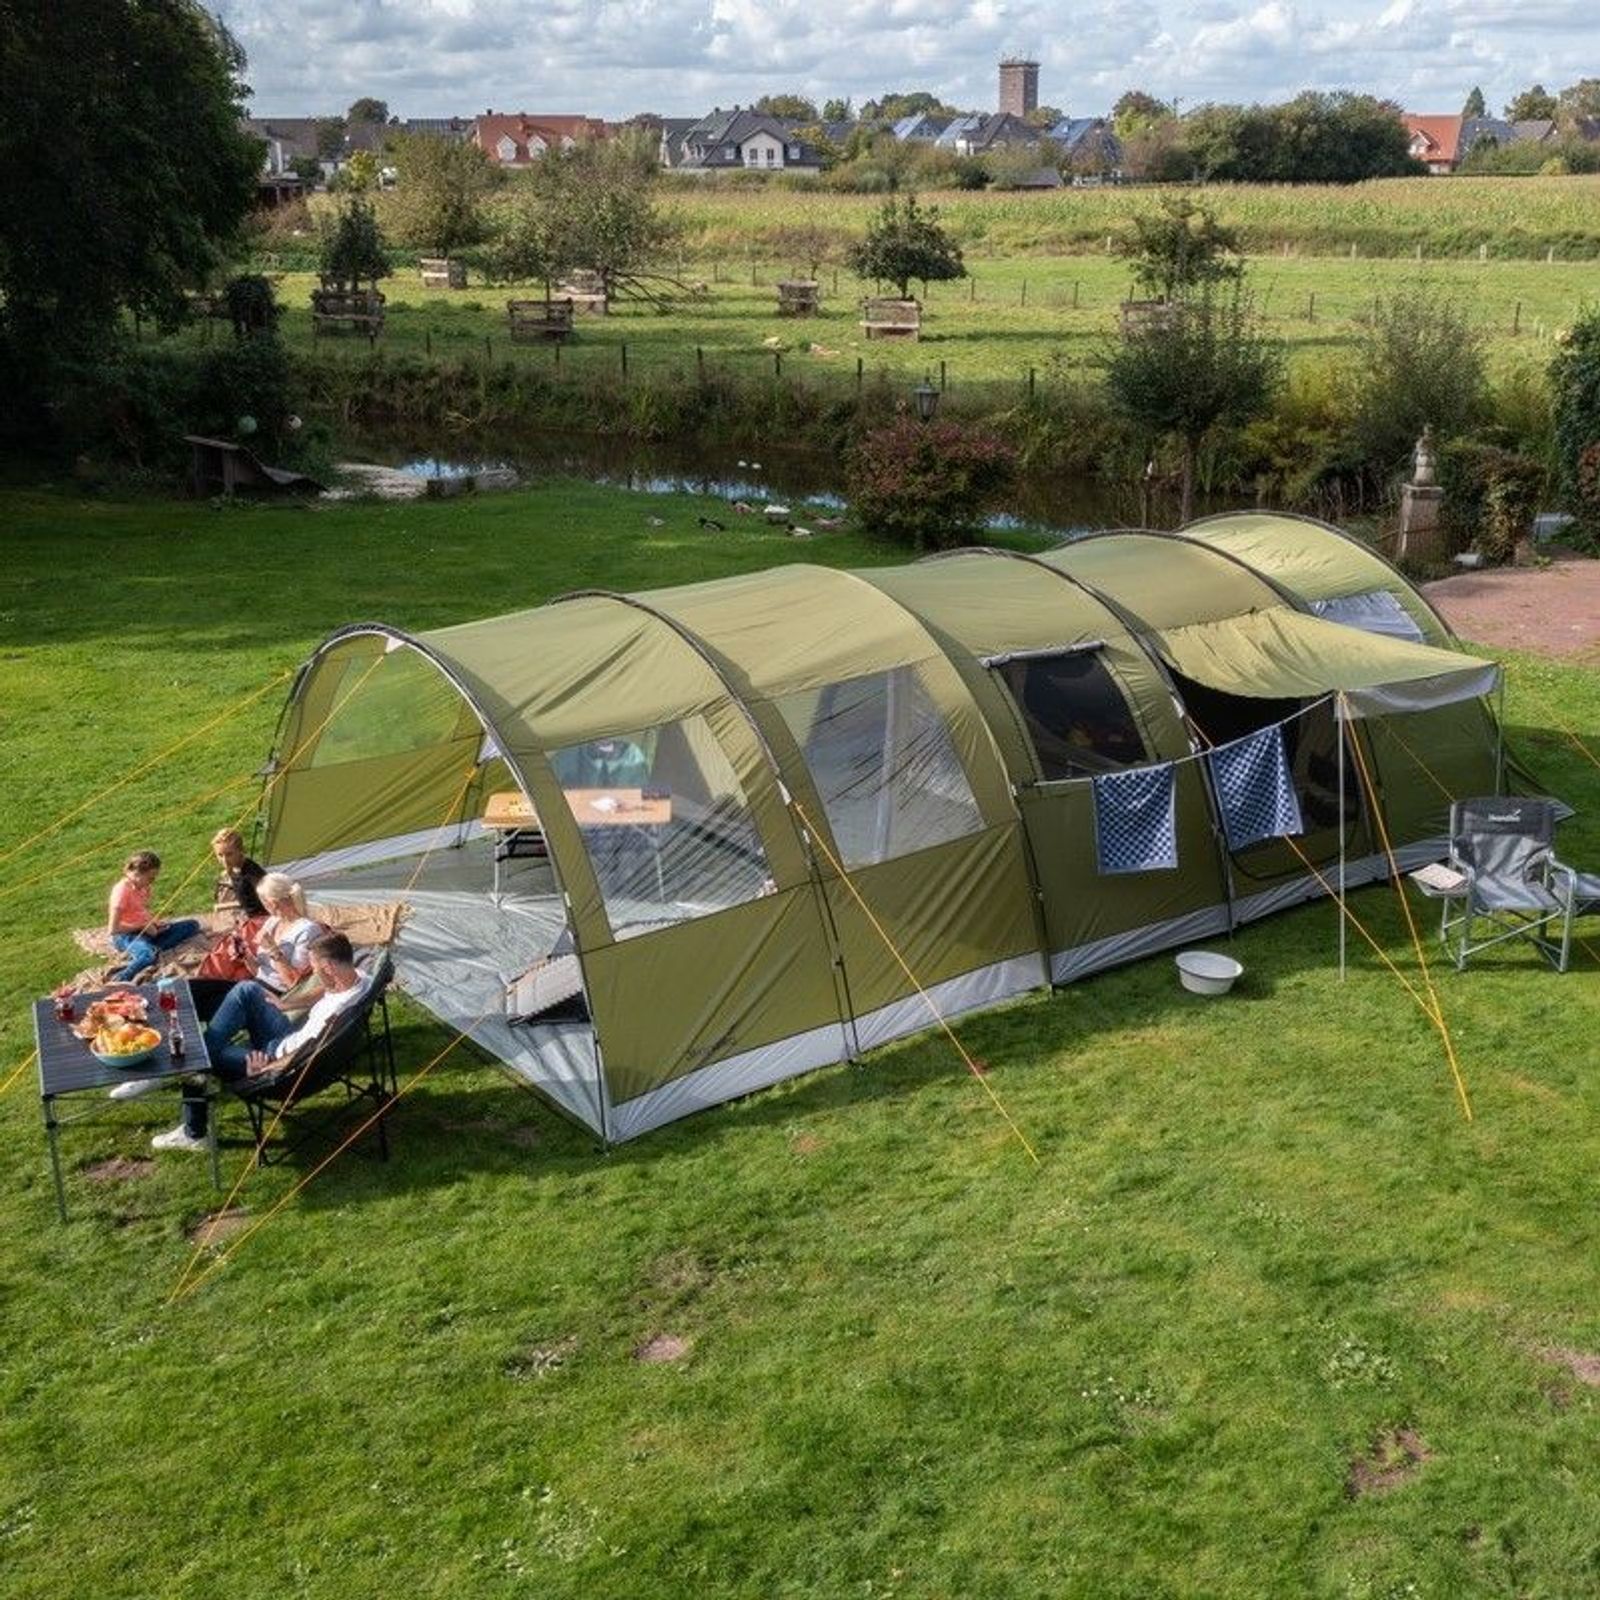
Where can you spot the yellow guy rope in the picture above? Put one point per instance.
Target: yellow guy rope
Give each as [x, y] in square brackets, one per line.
[22, 1066]
[193, 1284]
[972, 1066]
[294, 1088]
[1411, 923]
[146, 766]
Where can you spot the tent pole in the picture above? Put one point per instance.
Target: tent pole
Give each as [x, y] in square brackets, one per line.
[1341, 722]
[1500, 734]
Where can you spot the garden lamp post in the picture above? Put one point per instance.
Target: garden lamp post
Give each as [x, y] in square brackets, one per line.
[927, 398]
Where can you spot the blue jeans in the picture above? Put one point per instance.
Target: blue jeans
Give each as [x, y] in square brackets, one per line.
[142, 949]
[248, 1009]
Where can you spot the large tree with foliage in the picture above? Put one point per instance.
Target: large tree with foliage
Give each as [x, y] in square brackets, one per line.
[366, 109]
[905, 241]
[1137, 112]
[1579, 101]
[125, 172]
[440, 189]
[353, 247]
[1474, 105]
[794, 107]
[1206, 366]
[1532, 105]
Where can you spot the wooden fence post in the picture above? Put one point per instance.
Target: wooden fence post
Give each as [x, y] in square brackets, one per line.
[1074, 294]
[488, 348]
[1311, 307]
[1516, 319]
[700, 361]
[623, 347]
[860, 371]
[972, 287]
[1024, 291]
[941, 375]
[777, 363]
[1030, 383]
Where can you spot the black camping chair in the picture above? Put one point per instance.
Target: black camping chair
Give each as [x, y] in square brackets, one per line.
[354, 1052]
[1504, 849]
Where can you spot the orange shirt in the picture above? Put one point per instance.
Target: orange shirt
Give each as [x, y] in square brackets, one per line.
[130, 905]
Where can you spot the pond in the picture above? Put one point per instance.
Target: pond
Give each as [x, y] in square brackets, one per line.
[795, 477]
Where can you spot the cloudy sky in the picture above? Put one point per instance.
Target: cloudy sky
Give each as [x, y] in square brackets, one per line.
[611, 58]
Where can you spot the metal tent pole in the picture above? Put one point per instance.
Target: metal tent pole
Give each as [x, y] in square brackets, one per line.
[1343, 726]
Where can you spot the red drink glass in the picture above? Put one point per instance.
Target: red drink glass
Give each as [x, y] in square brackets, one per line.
[65, 1010]
[167, 999]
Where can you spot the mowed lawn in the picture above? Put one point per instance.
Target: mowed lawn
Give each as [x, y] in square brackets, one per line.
[1261, 1246]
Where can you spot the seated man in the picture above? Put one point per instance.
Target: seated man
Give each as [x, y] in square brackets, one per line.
[273, 1036]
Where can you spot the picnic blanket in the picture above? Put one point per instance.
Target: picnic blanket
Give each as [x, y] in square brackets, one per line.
[362, 925]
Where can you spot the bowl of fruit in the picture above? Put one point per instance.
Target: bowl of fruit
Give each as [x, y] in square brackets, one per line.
[124, 1044]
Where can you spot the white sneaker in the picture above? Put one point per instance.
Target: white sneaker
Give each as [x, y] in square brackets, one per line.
[133, 1088]
[178, 1138]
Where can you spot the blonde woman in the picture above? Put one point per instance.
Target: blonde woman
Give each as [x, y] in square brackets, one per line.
[283, 942]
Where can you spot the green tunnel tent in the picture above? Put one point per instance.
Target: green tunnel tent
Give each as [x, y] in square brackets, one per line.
[758, 796]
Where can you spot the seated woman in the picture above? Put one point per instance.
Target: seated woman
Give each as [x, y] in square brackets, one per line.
[139, 937]
[282, 945]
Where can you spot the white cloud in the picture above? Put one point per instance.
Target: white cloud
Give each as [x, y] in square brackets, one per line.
[613, 57]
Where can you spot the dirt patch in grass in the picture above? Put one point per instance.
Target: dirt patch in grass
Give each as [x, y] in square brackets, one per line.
[681, 1273]
[1583, 1365]
[807, 1144]
[662, 1347]
[522, 1134]
[1396, 1457]
[119, 1169]
[539, 1361]
[219, 1226]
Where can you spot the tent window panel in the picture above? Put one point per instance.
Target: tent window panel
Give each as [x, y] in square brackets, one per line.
[403, 704]
[666, 824]
[1076, 717]
[884, 765]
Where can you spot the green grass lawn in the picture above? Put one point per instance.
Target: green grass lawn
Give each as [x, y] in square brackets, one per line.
[1260, 1240]
[1013, 313]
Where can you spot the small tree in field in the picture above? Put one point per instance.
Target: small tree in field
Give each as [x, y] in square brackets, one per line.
[440, 192]
[1179, 248]
[353, 248]
[1205, 367]
[903, 242]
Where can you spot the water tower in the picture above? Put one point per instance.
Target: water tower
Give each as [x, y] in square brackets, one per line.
[1019, 86]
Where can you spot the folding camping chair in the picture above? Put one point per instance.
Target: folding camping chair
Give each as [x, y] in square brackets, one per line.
[1504, 849]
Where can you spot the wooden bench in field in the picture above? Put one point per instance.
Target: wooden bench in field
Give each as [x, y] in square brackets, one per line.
[799, 297]
[587, 292]
[219, 466]
[891, 319]
[1137, 315]
[548, 320]
[347, 310]
[441, 273]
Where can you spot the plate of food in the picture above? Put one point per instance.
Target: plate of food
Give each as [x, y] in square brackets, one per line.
[124, 1044]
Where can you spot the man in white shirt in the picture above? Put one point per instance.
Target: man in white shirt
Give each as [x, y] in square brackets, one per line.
[273, 1036]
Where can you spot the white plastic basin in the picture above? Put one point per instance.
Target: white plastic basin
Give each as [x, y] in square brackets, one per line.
[1206, 972]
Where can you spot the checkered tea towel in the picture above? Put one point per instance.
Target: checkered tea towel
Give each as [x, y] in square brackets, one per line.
[1135, 820]
[1254, 789]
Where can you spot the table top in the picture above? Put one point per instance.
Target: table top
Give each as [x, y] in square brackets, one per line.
[67, 1067]
[593, 808]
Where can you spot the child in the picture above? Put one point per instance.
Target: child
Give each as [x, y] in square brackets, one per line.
[134, 932]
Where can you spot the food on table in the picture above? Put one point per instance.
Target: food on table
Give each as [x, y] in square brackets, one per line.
[125, 1039]
[124, 1006]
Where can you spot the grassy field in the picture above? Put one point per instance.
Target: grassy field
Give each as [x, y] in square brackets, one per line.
[1011, 316]
[1510, 218]
[1262, 1242]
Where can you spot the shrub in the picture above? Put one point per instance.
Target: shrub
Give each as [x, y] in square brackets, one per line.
[353, 248]
[1575, 389]
[1491, 494]
[252, 307]
[927, 484]
[1421, 361]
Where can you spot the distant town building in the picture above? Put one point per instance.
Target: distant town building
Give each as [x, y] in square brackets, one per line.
[739, 140]
[1019, 86]
[519, 138]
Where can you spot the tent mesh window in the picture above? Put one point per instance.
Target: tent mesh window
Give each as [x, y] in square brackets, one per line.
[666, 825]
[884, 765]
[1076, 718]
[407, 704]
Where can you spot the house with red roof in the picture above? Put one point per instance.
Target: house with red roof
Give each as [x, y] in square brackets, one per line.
[519, 138]
[1435, 141]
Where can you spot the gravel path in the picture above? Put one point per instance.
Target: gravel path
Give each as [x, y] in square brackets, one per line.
[1550, 611]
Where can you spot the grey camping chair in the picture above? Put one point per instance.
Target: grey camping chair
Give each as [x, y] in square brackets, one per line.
[1515, 888]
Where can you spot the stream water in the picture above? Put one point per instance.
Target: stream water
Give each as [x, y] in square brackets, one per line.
[798, 478]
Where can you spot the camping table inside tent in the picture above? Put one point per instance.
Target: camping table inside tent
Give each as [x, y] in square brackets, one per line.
[67, 1067]
[510, 813]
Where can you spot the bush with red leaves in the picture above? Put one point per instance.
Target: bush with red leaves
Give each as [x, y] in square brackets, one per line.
[928, 484]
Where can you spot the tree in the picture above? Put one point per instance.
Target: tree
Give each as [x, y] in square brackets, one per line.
[1579, 102]
[440, 189]
[1474, 105]
[121, 187]
[308, 170]
[353, 248]
[367, 109]
[595, 208]
[1532, 105]
[891, 107]
[1206, 366]
[1575, 388]
[330, 138]
[838, 111]
[1137, 112]
[1179, 248]
[793, 107]
[903, 242]
[1044, 116]
[360, 173]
